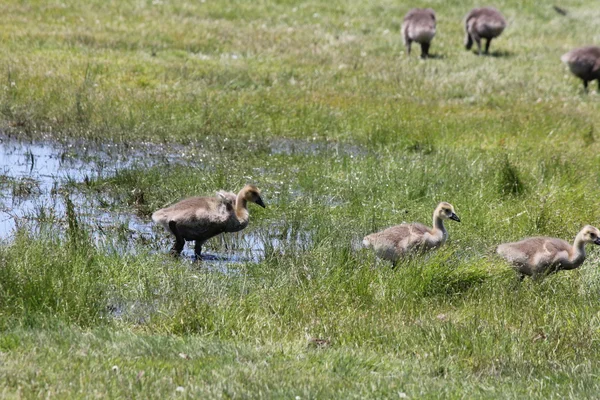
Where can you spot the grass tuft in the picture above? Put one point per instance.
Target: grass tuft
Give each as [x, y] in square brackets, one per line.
[509, 181]
[50, 280]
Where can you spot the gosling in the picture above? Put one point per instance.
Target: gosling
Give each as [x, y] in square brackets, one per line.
[584, 63]
[419, 26]
[393, 243]
[537, 256]
[485, 22]
[201, 218]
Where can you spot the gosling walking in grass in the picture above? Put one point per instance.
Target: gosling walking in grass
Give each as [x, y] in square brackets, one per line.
[536, 256]
[483, 23]
[584, 63]
[419, 26]
[395, 242]
[201, 218]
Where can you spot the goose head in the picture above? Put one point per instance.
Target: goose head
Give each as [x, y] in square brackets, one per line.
[590, 234]
[446, 211]
[252, 193]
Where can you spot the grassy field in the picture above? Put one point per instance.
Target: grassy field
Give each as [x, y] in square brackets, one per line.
[316, 103]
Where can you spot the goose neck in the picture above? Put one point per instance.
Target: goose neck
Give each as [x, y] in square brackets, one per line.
[241, 206]
[438, 224]
[578, 247]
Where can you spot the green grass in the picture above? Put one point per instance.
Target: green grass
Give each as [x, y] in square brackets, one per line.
[315, 103]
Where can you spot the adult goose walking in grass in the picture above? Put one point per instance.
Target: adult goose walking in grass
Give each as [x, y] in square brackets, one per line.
[201, 218]
[395, 242]
[584, 63]
[483, 23]
[419, 26]
[536, 256]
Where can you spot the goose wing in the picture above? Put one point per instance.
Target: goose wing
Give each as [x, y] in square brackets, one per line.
[522, 252]
[406, 236]
[198, 217]
[420, 14]
[557, 251]
[227, 197]
[534, 251]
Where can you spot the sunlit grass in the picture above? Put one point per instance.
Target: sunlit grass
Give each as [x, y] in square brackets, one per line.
[315, 103]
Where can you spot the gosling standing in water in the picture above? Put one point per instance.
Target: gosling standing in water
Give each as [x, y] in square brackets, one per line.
[201, 218]
[483, 23]
[544, 255]
[419, 26]
[395, 242]
[584, 63]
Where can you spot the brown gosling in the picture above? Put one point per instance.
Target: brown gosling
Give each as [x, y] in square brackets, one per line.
[484, 22]
[419, 26]
[201, 218]
[584, 63]
[394, 243]
[536, 256]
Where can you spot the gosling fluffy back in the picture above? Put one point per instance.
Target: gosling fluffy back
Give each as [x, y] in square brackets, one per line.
[200, 218]
[542, 255]
[419, 26]
[584, 63]
[483, 23]
[395, 242]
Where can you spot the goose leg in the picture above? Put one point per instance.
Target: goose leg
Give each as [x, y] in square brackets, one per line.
[478, 42]
[585, 85]
[408, 43]
[521, 277]
[425, 50]
[179, 240]
[198, 248]
[487, 46]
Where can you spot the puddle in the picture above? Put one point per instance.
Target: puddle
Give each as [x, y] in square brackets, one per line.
[33, 176]
[245, 246]
[37, 177]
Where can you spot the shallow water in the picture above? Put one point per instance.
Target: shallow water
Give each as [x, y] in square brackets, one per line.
[46, 168]
[36, 178]
[34, 185]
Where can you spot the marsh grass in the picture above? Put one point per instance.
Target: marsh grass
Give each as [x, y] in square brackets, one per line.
[432, 320]
[315, 103]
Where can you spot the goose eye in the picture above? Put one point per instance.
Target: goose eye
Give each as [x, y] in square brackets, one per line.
[593, 235]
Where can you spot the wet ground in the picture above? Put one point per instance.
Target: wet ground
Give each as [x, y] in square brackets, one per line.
[34, 184]
[37, 177]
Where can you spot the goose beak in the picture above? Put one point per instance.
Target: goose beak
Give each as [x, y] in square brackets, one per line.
[597, 241]
[454, 217]
[260, 203]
